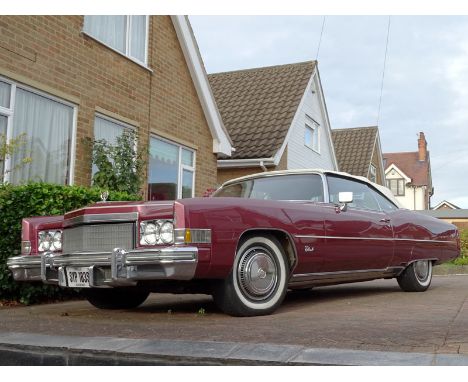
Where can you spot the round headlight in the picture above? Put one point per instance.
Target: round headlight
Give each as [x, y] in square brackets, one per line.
[151, 233]
[45, 241]
[57, 241]
[167, 233]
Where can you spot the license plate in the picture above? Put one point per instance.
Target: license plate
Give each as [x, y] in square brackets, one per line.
[78, 277]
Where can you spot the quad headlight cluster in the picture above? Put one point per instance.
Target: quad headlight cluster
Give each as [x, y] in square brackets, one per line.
[153, 232]
[50, 241]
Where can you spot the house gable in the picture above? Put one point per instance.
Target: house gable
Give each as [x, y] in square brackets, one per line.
[445, 205]
[311, 114]
[261, 109]
[393, 172]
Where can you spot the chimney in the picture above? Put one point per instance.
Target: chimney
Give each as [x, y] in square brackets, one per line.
[422, 147]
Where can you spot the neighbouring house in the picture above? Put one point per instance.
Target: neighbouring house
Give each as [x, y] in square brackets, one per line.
[276, 117]
[65, 78]
[409, 176]
[359, 152]
[457, 216]
[445, 205]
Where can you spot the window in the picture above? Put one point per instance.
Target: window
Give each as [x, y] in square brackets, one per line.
[397, 186]
[47, 125]
[372, 173]
[171, 172]
[125, 34]
[311, 137]
[285, 187]
[362, 196]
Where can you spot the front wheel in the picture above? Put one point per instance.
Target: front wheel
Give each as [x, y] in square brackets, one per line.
[257, 283]
[115, 298]
[416, 277]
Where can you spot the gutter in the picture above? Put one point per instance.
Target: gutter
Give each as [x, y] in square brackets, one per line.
[263, 163]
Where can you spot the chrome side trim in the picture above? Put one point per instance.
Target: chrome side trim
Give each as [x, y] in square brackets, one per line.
[328, 278]
[369, 238]
[101, 218]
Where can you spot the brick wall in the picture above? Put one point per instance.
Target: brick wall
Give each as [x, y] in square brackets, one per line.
[51, 53]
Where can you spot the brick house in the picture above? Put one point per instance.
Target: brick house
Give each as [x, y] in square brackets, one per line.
[409, 177]
[64, 78]
[359, 152]
[276, 117]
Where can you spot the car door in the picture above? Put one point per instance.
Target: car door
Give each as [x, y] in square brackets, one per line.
[359, 237]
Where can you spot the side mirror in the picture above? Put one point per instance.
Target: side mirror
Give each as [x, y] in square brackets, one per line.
[344, 198]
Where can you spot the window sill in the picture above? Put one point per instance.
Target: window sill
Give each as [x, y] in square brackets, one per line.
[139, 63]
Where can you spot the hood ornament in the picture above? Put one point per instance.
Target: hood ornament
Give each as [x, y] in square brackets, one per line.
[104, 195]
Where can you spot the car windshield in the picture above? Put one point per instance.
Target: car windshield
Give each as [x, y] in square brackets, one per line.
[280, 187]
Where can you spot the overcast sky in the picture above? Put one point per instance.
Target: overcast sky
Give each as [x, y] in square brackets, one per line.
[425, 85]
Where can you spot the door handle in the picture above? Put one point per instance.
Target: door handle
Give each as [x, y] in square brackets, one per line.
[386, 221]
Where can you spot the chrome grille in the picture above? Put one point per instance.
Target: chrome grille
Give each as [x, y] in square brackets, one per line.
[98, 237]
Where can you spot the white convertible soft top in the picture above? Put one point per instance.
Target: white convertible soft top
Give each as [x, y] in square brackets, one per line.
[384, 190]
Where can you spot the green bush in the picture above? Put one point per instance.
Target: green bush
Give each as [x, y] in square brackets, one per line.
[37, 199]
[463, 259]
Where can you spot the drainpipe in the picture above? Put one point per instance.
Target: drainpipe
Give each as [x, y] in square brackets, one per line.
[263, 166]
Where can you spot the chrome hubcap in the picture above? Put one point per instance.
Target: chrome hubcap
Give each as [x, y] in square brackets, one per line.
[422, 270]
[257, 273]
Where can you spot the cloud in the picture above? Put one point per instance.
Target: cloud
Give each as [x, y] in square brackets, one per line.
[426, 77]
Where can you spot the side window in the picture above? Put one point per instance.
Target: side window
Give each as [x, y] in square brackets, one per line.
[285, 187]
[362, 196]
[384, 203]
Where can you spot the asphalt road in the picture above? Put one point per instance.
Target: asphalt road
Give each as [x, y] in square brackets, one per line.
[374, 315]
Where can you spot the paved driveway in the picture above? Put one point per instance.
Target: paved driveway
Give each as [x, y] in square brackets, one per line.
[366, 316]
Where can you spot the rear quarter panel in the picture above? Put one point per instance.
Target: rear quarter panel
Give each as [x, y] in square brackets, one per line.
[420, 236]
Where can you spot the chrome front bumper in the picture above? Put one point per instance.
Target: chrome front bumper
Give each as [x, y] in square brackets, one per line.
[118, 268]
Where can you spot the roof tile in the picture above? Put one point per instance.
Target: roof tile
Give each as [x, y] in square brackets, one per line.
[354, 148]
[258, 105]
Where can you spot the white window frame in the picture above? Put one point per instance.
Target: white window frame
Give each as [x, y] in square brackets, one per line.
[10, 114]
[314, 126]
[128, 31]
[181, 167]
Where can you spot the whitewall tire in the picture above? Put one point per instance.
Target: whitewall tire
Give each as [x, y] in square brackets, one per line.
[257, 283]
[416, 277]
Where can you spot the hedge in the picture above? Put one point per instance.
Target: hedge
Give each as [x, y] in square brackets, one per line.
[37, 199]
[463, 259]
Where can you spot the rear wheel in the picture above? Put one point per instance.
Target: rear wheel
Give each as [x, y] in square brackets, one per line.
[257, 283]
[416, 277]
[115, 298]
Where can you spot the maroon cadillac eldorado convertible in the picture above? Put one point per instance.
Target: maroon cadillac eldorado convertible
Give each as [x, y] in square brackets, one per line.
[254, 239]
